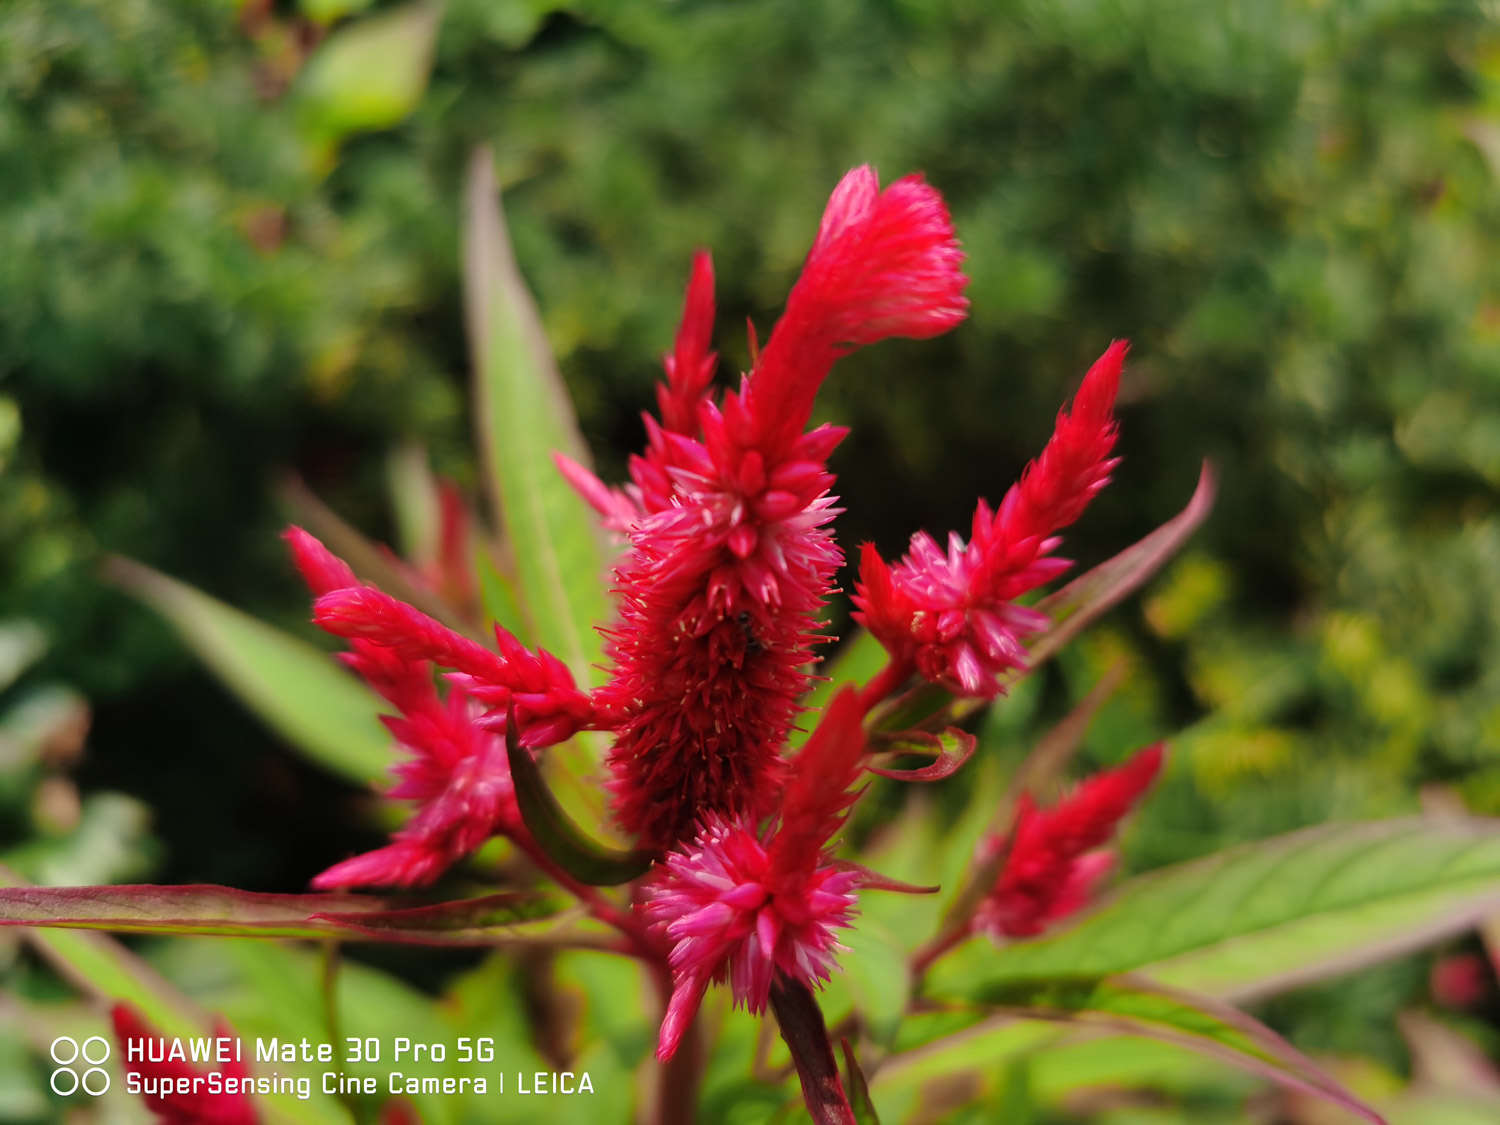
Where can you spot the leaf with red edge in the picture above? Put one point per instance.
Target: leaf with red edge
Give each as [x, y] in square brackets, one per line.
[583, 858]
[949, 751]
[1089, 596]
[1201, 1023]
[859, 1089]
[225, 911]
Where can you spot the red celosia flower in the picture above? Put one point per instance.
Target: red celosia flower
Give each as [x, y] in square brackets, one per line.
[730, 556]
[173, 1098]
[952, 615]
[1052, 866]
[742, 906]
[457, 774]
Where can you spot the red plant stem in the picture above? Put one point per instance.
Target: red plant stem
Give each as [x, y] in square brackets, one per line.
[802, 1027]
[641, 945]
[943, 943]
[884, 684]
[678, 1078]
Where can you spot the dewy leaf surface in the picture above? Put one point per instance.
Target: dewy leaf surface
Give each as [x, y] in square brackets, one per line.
[1270, 915]
[297, 689]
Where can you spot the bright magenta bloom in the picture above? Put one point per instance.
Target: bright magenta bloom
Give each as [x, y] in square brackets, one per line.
[1052, 866]
[730, 556]
[952, 615]
[743, 905]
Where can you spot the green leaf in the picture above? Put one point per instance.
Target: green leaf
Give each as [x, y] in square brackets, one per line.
[225, 911]
[1200, 1023]
[107, 970]
[1089, 596]
[368, 74]
[1268, 916]
[859, 1089]
[524, 416]
[856, 661]
[564, 842]
[298, 690]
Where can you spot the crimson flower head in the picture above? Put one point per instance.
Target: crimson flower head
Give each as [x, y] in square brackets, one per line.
[744, 906]
[1053, 866]
[730, 557]
[174, 1088]
[952, 615]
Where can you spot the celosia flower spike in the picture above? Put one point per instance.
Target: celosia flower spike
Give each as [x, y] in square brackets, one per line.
[730, 557]
[1051, 867]
[884, 263]
[173, 1097]
[457, 773]
[742, 906]
[952, 615]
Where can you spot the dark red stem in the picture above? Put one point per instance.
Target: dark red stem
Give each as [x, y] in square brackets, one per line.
[802, 1027]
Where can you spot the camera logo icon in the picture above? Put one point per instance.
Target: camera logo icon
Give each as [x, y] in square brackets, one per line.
[78, 1065]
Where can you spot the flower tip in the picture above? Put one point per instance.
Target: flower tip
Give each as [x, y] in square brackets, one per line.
[321, 569]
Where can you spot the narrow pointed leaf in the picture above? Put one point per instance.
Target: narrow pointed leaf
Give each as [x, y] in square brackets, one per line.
[949, 751]
[1268, 916]
[299, 691]
[224, 911]
[859, 1089]
[105, 969]
[1091, 595]
[523, 416]
[565, 843]
[1199, 1023]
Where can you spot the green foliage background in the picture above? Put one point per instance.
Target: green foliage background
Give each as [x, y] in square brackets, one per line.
[229, 249]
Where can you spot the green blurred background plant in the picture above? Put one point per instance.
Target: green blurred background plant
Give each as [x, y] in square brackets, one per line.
[229, 250]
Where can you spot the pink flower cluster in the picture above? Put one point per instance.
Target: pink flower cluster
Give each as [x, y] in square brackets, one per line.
[728, 559]
[1055, 856]
[953, 615]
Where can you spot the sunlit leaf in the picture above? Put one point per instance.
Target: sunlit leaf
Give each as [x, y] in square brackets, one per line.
[1268, 916]
[523, 416]
[301, 692]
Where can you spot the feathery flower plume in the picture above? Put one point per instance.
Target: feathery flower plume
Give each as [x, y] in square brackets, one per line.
[952, 615]
[172, 1088]
[742, 906]
[730, 557]
[457, 773]
[1052, 866]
